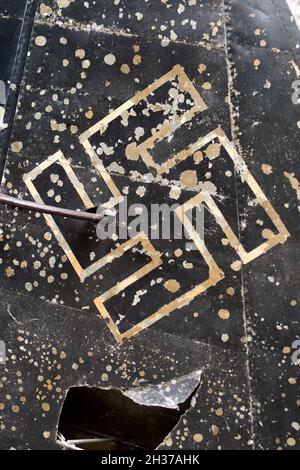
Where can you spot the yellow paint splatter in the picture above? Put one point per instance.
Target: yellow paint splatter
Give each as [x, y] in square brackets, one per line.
[125, 69]
[291, 442]
[189, 178]
[16, 146]
[198, 157]
[236, 265]
[137, 59]
[89, 114]
[80, 53]
[198, 437]
[169, 442]
[213, 151]
[267, 234]
[63, 3]
[230, 291]
[45, 10]
[206, 86]
[178, 252]
[40, 41]
[266, 169]
[202, 68]
[256, 63]
[172, 285]
[224, 314]
[215, 430]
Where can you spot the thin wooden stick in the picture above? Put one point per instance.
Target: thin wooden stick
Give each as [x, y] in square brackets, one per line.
[53, 210]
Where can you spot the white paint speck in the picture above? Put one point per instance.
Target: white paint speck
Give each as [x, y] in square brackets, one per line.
[110, 59]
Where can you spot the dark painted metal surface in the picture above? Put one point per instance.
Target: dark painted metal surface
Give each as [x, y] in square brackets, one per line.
[16, 19]
[86, 59]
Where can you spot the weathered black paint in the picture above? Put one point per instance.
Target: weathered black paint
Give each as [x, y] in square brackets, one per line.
[55, 337]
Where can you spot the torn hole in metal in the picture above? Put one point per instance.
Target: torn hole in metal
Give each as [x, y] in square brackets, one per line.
[94, 418]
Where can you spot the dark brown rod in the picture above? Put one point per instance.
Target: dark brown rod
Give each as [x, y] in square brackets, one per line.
[57, 211]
